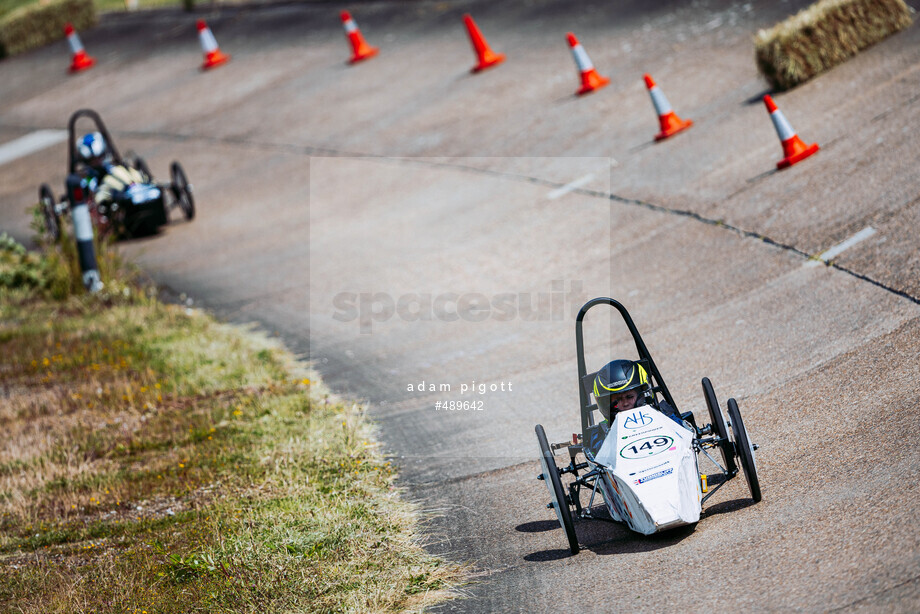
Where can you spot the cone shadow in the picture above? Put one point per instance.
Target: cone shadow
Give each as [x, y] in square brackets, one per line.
[758, 98]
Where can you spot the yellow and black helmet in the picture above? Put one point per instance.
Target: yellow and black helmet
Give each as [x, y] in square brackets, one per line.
[618, 377]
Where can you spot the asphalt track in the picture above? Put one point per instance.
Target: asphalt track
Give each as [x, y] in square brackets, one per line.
[354, 209]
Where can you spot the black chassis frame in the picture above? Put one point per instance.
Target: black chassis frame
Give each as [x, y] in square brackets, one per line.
[61, 205]
[72, 158]
[704, 438]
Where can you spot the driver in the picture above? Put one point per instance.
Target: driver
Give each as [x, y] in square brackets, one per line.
[104, 178]
[622, 385]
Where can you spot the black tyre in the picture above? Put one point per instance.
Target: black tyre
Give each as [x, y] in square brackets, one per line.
[138, 163]
[718, 426]
[49, 212]
[182, 190]
[556, 492]
[141, 165]
[745, 450]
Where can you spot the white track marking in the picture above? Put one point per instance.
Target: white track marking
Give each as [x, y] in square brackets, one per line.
[30, 143]
[862, 235]
[572, 185]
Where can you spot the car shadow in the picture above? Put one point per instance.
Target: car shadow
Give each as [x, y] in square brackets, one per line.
[725, 507]
[135, 239]
[603, 536]
[548, 555]
[537, 526]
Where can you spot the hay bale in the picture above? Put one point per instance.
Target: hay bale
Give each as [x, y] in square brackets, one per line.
[823, 35]
[35, 25]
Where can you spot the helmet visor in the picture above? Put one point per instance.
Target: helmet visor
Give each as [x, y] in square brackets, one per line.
[603, 404]
[622, 401]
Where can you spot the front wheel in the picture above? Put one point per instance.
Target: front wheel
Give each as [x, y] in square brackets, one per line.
[744, 449]
[718, 425]
[182, 190]
[556, 492]
[49, 213]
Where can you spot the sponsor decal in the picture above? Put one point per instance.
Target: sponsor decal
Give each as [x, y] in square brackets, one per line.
[618, 505]
[647, 469]
[654, 476]
[637, 420]
[616, 500]
[640, 433]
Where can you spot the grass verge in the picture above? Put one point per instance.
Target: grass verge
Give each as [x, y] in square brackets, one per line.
[824, 35]
[28, 25]
[156, 460]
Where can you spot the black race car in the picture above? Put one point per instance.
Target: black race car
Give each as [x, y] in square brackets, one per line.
[141, 208]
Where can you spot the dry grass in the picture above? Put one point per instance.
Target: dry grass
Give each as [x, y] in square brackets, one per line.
[157, 461]
[824, 35]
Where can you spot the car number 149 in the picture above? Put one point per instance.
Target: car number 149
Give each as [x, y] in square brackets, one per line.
[647, 446]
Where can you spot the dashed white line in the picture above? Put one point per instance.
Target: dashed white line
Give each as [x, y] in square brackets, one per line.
[835, 251]
[572, 185]
[30, 143]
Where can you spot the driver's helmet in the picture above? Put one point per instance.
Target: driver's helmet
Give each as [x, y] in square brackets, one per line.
[92, 149]
[616, 378]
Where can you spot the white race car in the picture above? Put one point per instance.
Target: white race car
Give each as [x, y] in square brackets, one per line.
[644, 464]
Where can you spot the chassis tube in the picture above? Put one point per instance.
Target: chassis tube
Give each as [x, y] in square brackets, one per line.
[83, 231]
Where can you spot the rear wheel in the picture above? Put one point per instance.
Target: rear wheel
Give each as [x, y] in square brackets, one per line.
[49, 213]
[182, 190]
[556, 492]
[744, 449]
[719, 427]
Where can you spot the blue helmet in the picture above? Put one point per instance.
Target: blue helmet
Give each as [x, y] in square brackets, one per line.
[91, 146]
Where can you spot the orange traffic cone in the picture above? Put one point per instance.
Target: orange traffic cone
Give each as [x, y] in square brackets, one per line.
[794, 149]
[359, 47]
[213, 56]
[81, 61]
[671, 124]
[485, 55]
[590, 79]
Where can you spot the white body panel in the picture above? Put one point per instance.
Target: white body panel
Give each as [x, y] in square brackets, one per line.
[652, 482]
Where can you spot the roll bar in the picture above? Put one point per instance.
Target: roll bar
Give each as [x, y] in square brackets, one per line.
[658, 384]
[100, 127]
